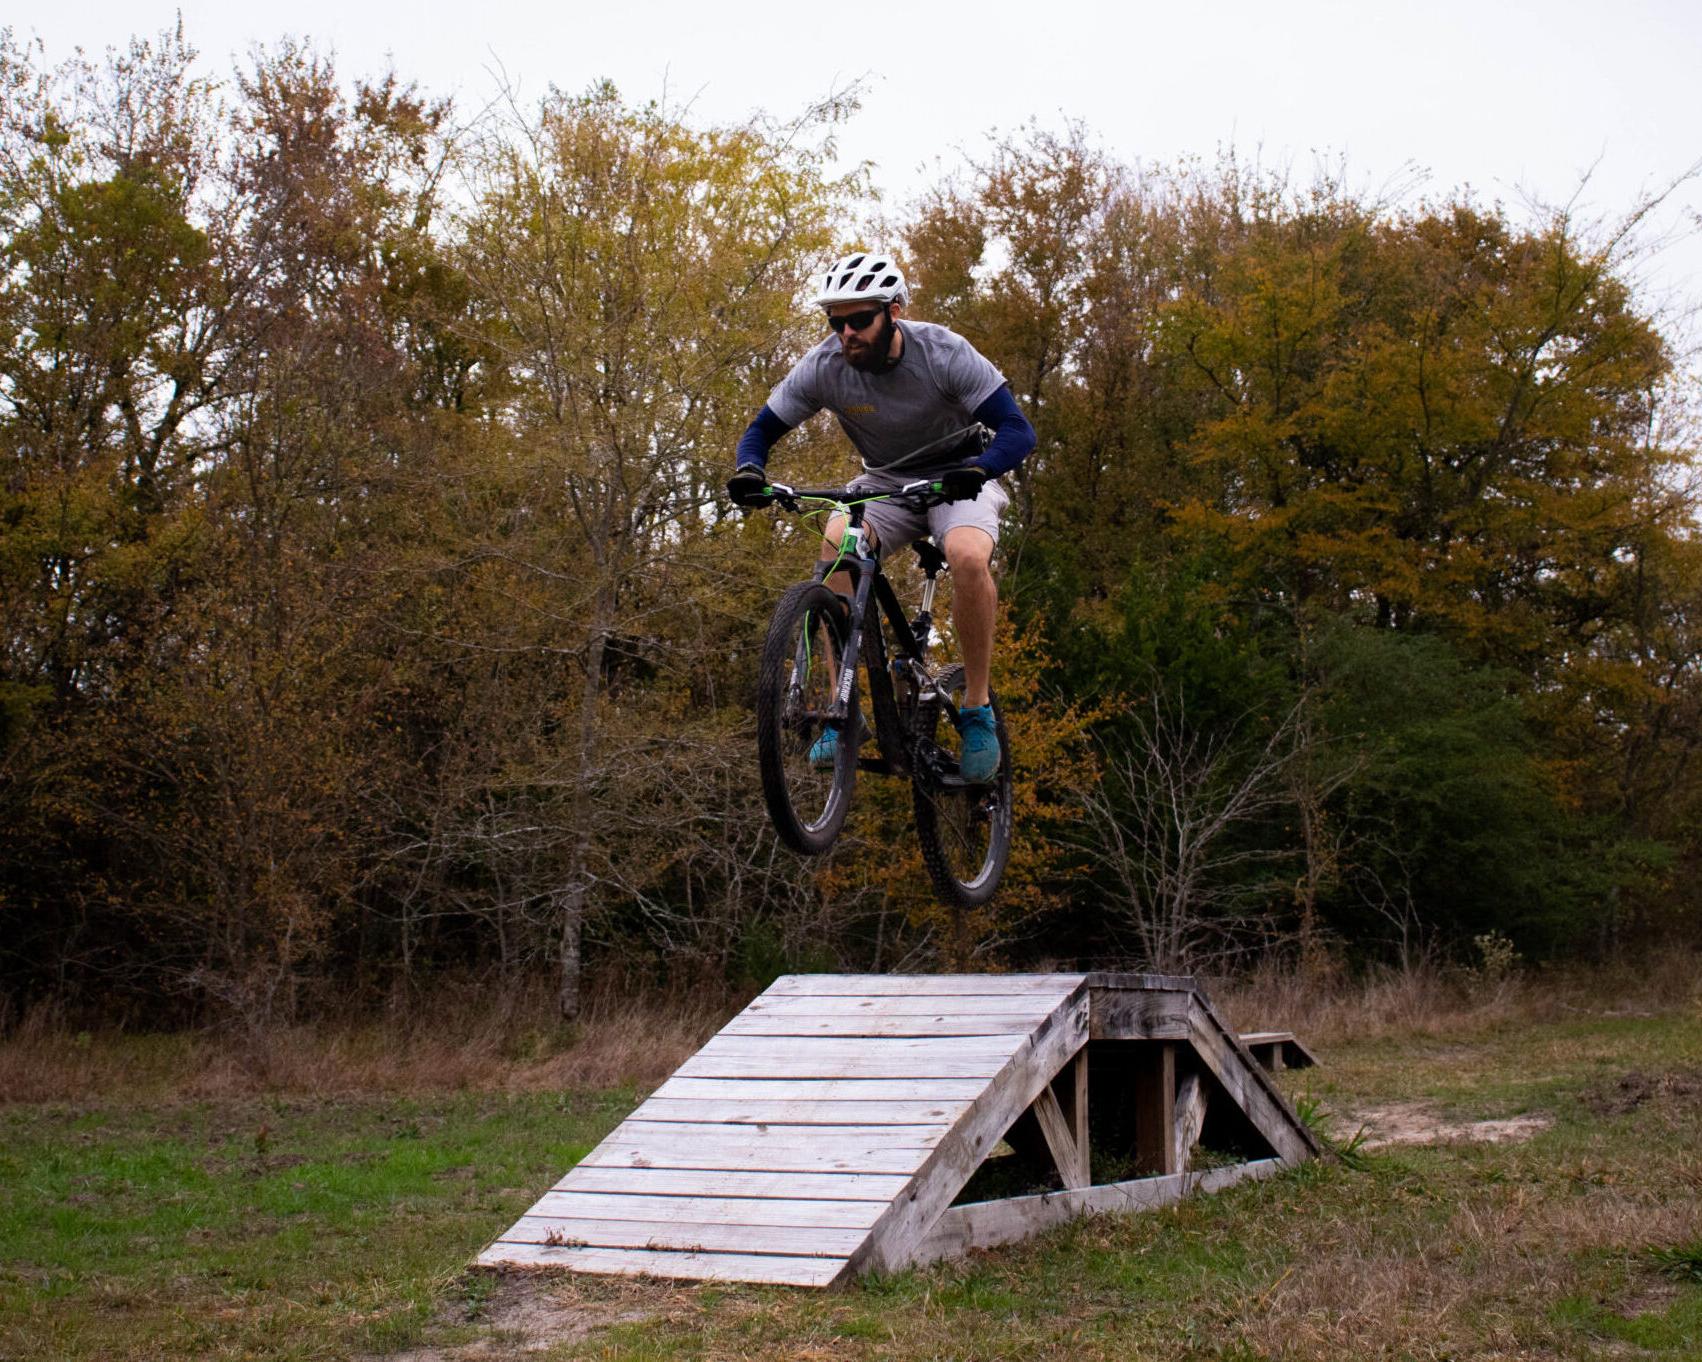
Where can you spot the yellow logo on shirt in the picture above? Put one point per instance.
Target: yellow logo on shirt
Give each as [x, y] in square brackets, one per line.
[861, 409]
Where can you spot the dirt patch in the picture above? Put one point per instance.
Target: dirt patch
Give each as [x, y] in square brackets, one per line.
[1620, 1097]
[1421, 1123]
[525, 1313]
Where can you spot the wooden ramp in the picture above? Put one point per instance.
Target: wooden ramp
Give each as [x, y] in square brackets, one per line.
[827, 1129]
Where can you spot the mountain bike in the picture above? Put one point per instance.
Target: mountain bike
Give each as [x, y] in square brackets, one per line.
[809, 679]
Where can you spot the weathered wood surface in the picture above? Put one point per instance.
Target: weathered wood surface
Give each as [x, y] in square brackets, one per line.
[843, 1056]
[1155, 1108]
[987, 1224]
[807, 1241]
[1071, 1090]
[707, 1210]
[786, 1064]
[875, 1187]
[710, 1267]
[815, 1108]
[865, 1153]
[1278, 1050]
[1120, 1014]
[826, 1129]
[1101, 981]
[895, 1238]
[1248, 1085]
[756, 1111]
[918, 985]
[1028, 1004]
[915, 1024]
[689, 1134]
[1190, 1118]
[823, 1089]
[1061, 1139]
[921, 1057]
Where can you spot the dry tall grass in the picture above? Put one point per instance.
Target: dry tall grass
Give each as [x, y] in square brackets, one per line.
[462, 1038]
[1326, 1004]
[472, 1038]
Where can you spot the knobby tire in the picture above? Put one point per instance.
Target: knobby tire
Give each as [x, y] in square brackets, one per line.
[796, 681]
[965, 832]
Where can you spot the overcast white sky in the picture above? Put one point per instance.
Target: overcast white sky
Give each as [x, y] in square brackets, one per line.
[1513, 97]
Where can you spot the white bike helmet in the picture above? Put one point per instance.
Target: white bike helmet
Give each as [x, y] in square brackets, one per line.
[867, 276]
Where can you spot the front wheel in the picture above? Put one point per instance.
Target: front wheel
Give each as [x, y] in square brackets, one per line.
[807, 799]
[965, 830]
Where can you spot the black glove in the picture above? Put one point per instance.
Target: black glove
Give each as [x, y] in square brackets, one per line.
[748, 487]
[963, 484]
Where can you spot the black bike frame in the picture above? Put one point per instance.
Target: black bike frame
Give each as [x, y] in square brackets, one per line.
[871, 589]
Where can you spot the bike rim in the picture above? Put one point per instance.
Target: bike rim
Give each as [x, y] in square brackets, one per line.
[811, 790]
[971, 826]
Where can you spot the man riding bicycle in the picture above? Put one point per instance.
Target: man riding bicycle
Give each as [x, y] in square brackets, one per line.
[893, 388]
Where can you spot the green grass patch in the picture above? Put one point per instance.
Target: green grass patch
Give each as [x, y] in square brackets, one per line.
[262, 1229]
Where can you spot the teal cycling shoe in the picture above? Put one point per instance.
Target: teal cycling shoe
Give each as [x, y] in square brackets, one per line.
[825, 750]
[979, 760]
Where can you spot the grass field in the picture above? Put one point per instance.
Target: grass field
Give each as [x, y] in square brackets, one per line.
[156, 1209]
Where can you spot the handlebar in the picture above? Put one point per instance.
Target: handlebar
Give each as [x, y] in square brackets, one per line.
[923, 493]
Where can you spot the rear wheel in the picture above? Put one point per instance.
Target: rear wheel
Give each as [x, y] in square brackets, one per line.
[965, 830]
[795, 693]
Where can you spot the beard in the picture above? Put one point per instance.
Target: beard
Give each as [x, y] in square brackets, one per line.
[871, 358]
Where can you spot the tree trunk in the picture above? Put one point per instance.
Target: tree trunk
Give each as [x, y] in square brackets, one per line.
[574, 894]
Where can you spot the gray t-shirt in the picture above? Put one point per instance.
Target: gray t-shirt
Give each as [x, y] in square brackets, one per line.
[939, 382]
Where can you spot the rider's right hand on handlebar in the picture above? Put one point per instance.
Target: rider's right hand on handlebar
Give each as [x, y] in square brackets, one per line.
[963, 484]
[748, 487]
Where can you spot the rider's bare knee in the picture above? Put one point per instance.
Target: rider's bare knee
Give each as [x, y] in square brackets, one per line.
[969, 552]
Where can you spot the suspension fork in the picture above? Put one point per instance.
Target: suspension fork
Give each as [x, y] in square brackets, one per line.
[863, 575]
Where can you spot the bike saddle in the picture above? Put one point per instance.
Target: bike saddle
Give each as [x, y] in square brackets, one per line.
[928, 554]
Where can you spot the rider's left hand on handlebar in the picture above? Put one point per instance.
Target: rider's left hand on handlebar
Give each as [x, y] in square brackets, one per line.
[748, 487]
[963, 484]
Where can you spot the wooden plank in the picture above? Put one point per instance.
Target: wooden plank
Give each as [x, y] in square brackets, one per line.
[1124, 1015]
[1190, 1117]
[707, 1210]
[1060, 1138]
[1073, 1098]
[987, 1224]
[1248, 1085]
[1284, 1049]
[915, 985]
[784, 1064]
[1104, 980]
[822, 1089]
[722, 1267]
[894, 1240]
[835, 1158]
[1155, 1108]
[1036, 1006]
[687, 1134]
[869, 1024]
[811, 1241]
[754, 1111]
[849, 1050]
[789, 1186]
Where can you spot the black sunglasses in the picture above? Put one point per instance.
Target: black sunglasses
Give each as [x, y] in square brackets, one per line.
[857, 321]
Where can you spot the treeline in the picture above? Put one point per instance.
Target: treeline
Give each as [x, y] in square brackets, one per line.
[369, 608]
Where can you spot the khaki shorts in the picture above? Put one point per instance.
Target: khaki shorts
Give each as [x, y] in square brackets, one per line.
[896, 525]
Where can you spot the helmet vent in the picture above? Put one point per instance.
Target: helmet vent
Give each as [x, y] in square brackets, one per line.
[865, 276]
